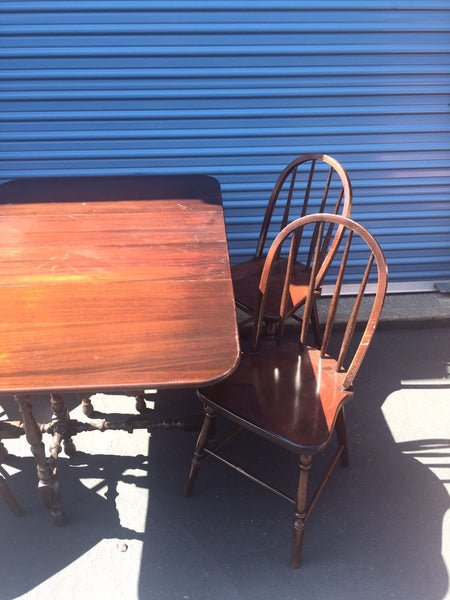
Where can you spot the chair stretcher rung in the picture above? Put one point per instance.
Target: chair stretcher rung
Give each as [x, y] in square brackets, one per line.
[249, 475]
[265, 485]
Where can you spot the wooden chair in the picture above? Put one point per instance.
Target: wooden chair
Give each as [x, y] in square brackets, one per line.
[288, 391]
[312, 183]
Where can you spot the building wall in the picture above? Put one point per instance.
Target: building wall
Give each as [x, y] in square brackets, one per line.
[236, 89]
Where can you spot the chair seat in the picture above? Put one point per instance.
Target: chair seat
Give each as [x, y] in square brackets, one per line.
[246, 277]
[287, 394]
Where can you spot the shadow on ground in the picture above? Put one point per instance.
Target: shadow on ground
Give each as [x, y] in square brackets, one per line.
[376, 532]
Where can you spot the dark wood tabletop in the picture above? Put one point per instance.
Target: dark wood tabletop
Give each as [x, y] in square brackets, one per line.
[115, 283]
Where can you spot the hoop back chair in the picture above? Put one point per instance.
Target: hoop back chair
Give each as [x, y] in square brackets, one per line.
[287, 390]
[311, 183]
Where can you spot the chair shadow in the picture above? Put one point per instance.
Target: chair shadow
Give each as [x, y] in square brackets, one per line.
[375, 533]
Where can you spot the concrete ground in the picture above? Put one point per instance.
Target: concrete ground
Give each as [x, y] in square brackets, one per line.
[381, 529]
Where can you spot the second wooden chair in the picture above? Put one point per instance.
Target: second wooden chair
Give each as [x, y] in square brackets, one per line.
[291, 392]
[312, 183]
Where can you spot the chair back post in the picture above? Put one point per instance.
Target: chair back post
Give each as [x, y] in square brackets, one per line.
[380, 294]
[309, 303]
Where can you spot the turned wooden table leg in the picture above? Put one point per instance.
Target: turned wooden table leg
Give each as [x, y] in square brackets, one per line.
[47, 479]
[60, 420]
[88, 409]
[141, 406]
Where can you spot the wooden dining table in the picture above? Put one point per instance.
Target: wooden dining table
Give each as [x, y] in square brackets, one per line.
[110, 284]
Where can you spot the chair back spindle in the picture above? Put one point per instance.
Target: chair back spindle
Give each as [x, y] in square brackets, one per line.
[287, 208]
[336, 294]
[309, 190]
[332, 267]
[318, 234]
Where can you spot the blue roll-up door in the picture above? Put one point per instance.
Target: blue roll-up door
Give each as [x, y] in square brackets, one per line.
[236, 89]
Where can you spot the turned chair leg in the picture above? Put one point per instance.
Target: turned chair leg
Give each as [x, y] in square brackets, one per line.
[271, 329]
[141, 405]
[86, 405]
[199, 455]
[300, 515]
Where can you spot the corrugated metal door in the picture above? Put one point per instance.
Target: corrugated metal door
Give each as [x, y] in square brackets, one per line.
[236, 89]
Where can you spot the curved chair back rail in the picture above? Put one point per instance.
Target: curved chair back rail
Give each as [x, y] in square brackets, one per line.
[346, 228]
[314, 183]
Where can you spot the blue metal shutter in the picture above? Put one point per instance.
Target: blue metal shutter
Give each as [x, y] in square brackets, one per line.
[236, 89]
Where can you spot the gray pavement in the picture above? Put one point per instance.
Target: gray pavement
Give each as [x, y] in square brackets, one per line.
[380, 530]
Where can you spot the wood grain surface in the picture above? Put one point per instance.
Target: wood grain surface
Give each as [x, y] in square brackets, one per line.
[113, 294]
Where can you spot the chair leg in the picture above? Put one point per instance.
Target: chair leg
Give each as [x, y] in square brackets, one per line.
[199, 455]
[88, 409]
[271, 329]
[141, 405]
[341, 432]
[300, 516]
